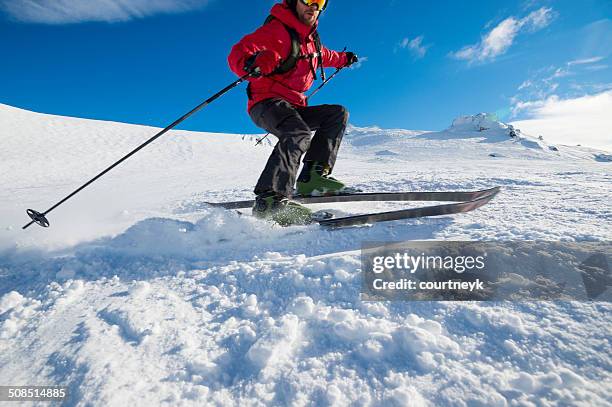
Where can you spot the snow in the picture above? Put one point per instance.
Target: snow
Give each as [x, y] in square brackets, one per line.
[141, 294]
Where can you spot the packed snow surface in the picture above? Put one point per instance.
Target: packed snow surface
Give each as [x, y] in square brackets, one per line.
[140, 294]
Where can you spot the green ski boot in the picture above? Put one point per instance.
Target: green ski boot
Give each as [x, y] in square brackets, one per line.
[314, 180]
[281, 210]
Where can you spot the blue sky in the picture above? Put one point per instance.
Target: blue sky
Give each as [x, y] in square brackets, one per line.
[140, 61]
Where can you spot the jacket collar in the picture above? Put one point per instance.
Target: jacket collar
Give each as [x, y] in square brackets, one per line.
[282, 12]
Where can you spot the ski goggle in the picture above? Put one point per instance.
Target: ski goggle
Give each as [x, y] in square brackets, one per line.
[321, 4]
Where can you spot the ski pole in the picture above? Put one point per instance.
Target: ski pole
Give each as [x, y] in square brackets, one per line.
[323, 84]
[41, 219]
[311, 95]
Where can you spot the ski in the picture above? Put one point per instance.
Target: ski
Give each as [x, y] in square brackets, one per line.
[421, 212]
[439, 196]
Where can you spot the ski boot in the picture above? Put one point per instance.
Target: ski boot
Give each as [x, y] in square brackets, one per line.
[314, 180]
[281, 210]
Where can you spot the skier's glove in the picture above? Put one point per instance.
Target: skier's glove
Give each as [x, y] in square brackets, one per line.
[267, 61]
[351, 58]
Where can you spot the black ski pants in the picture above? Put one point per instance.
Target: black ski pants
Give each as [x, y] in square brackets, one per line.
[292, 125]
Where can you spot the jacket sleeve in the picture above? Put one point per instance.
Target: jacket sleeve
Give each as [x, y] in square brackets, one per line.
[333, 59]
[265, 37]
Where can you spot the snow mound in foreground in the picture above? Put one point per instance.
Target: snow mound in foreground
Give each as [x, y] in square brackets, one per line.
[161, 246]
[284, 330]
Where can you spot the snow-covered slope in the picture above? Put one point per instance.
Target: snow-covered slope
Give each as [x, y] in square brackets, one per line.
[141, 294]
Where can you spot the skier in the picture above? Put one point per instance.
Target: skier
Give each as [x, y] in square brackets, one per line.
[285, 54]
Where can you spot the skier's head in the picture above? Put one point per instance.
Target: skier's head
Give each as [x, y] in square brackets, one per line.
[307, 11]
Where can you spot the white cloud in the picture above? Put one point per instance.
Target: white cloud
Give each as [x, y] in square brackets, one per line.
[526, 84]
[593, 68]
[538, 19]
[415, 46]
[497, 41]
[573, 75]
[584, 120]
[591, 87]
[585, 61]
[560, 73]
[78, 11]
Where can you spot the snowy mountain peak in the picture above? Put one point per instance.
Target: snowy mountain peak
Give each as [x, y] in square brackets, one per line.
[491, 129]
[488, 122]
[478, 122]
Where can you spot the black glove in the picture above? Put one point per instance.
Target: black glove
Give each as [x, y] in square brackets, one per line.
[262, 63]
[351, 58]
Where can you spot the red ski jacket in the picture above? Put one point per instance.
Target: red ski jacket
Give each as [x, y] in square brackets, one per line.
[274, 36]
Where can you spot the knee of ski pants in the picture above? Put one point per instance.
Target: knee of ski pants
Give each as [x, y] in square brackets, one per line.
[340, 113]
[298, 141]
[292, 133]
